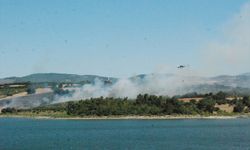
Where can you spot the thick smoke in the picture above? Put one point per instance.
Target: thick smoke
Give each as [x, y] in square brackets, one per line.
[156, 84]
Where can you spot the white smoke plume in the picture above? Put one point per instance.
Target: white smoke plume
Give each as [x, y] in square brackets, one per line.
[155, 84]
[230, 52]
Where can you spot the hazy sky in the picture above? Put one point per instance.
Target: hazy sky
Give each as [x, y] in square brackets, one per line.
[123, 37]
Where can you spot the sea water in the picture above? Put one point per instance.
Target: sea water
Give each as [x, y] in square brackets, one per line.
[45, 134]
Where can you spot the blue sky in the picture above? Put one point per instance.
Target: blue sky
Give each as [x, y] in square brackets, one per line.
[111, 38]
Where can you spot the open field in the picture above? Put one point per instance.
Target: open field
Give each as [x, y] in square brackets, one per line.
[225, 107]
[189, 99]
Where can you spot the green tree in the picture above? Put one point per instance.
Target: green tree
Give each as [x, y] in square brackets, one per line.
[72, 108]
[246, 101]
[8, 110]
[239, 107]
[31, 90]
[220, 98]
[206, 105]
[168, 108]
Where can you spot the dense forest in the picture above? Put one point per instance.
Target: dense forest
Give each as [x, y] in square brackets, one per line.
[145, 105]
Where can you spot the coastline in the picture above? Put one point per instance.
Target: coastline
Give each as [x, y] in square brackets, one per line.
[166, 117]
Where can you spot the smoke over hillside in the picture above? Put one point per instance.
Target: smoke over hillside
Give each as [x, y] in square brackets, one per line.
[182, 82]
[156, 84]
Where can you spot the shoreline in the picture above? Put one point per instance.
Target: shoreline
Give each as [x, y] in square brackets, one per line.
[167, 117]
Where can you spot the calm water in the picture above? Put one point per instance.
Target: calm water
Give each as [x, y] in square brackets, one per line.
[124, 134]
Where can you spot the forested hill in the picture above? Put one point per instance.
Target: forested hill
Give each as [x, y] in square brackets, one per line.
[55, 77]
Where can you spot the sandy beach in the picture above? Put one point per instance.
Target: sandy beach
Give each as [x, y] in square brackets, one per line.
[166, 117]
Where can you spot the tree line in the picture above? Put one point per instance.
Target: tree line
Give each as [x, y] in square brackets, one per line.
[145, 104]
[154, 105]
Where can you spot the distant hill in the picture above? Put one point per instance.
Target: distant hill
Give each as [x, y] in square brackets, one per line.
[242, 80]
[55, 77]
[214, 88]
[239, 83]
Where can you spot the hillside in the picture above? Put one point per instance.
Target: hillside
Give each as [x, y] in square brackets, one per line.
[55, 77]
[242, 80]
[238, 83]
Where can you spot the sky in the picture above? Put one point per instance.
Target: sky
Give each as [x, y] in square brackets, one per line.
[124, 38]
